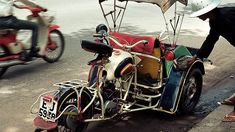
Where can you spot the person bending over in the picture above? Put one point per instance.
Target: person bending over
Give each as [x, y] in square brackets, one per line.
[221, 21]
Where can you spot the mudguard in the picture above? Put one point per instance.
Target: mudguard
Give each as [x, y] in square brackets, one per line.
[65, 93]
[53, 27]
[172, 91]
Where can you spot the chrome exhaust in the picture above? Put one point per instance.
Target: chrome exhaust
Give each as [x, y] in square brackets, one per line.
[10, 63]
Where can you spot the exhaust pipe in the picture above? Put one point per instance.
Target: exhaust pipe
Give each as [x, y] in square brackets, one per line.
[10, 63]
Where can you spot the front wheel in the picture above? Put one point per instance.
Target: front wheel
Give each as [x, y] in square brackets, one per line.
[3, 53]
[191, 91]
[3, 70]
[55, 46]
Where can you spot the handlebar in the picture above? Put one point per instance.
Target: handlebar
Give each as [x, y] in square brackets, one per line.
[98, 35]
[128, 46]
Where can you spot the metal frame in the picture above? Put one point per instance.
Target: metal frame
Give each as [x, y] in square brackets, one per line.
[79, 86]
[114, 15]
[175, 22]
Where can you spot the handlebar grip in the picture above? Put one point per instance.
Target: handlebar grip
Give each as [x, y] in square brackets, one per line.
[145, 42]
[98, 35]
[44, 10]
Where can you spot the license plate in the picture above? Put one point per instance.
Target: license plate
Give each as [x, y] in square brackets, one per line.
[48, 108]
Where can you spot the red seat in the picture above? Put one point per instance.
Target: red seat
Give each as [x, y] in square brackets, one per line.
[131, 39]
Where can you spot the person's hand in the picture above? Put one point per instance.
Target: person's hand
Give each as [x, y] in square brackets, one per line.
[194, 58]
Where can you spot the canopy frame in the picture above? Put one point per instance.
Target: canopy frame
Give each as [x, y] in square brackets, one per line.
[114, 15]
[175, 22]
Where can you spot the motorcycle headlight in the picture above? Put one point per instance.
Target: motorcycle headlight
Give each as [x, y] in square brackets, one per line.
[124, 68]
[121, 63]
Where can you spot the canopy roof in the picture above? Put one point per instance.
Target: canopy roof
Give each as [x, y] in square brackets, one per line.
[163, 4]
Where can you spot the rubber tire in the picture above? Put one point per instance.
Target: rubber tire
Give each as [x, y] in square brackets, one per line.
[187, 105]
[62, 42]
[88, 114]
[2, 71]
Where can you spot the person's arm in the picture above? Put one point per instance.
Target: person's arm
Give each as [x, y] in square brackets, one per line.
[208, 44]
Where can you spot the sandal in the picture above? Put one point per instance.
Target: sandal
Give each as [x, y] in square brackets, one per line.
[229, 117]
[228, 102]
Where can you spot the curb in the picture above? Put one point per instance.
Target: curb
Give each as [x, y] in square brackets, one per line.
[213, 121]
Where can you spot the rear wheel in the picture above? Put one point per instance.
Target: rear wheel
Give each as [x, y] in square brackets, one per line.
[55, 46]
[191, 92]
[70, 123]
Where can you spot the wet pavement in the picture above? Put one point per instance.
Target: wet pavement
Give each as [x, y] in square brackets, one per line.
[213, 121]
[22, 84]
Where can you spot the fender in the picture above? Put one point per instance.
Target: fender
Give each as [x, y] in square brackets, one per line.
[65, 93]
[199, 64]
[53, 27]
[170, 95]
[172, 92]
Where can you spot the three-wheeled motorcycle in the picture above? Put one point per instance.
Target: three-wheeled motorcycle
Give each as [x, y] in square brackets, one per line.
[130, 73]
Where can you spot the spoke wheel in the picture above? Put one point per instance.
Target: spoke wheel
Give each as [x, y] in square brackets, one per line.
[55, 46]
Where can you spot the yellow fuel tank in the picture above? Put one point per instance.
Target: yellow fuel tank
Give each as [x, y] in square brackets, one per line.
[150, 66]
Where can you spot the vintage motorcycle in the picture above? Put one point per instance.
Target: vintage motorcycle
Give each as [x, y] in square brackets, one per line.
[130, 73]
[14, 44]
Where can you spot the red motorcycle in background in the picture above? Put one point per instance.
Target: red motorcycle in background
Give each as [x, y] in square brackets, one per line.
[50, 40]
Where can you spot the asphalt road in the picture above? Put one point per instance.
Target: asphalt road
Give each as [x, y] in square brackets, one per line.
[21, 85]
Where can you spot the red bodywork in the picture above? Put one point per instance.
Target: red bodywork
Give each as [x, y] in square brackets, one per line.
[50, 43]
[131, 39]
[7, 38]
[44, 125]
[53, 27]
[10, 37]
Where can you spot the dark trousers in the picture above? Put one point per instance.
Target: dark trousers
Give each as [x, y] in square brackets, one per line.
[14, 23]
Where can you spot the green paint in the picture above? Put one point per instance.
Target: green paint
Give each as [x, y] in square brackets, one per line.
[179, 51]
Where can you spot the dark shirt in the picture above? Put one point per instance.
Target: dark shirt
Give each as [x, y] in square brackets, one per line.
[222, 25]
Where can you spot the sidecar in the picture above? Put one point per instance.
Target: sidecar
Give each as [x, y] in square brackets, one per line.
[163, 74]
